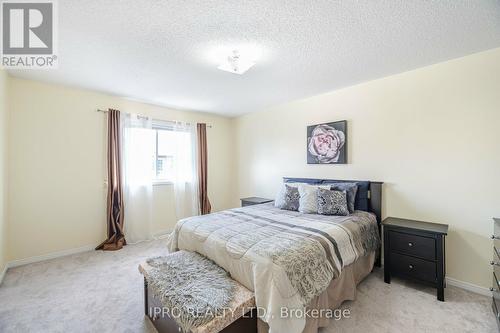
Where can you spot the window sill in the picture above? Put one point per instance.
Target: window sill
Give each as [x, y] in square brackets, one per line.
[162, 183]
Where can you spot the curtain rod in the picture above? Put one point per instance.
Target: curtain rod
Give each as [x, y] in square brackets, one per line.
[169, 121]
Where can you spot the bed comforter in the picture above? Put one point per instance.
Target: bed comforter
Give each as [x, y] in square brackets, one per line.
[287, 258]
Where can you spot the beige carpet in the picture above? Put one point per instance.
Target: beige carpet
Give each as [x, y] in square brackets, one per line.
[103, 292]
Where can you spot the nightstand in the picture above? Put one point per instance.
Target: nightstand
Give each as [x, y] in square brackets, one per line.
[415, 250]
[254, 201]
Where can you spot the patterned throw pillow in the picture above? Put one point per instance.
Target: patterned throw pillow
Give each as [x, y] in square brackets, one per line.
[308, 203]
[331, 202]
[279, 201]
[292, 197]
[351, 189]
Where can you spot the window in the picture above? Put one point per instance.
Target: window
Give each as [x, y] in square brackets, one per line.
[158, 152]
[171, 146]
[164, 155]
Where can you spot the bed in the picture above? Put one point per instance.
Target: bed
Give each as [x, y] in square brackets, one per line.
[290, 260]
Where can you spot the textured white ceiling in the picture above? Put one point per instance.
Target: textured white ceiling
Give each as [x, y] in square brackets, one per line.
[159, 51]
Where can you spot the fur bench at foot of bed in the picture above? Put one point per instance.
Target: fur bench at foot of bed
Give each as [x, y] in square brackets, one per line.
[240, 316]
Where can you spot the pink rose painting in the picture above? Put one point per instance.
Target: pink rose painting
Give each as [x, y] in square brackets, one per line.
[327, 143]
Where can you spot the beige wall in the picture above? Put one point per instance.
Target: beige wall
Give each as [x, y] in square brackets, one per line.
[57, 166]
[432, 135]
[3, 170]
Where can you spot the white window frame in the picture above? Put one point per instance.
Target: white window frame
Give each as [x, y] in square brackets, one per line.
[160, 126]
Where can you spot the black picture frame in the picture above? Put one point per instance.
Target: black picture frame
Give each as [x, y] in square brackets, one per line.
[327, 143]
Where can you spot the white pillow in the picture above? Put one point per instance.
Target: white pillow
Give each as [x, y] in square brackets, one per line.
[308, 202]
[279, 201]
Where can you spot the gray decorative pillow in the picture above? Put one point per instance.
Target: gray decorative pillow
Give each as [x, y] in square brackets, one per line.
[292, 197]
[279, 201]
[308, 202]
[332, 202]
[351, 189]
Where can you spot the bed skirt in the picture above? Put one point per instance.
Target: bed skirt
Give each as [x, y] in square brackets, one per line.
[340, 289]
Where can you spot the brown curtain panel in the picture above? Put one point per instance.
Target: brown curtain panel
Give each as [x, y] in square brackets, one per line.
[205, 206]
[116, 238]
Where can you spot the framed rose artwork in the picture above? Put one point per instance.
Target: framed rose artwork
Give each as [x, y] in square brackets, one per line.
[327, 143]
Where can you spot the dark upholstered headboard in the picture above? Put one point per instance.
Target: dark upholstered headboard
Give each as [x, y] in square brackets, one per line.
[368, 198]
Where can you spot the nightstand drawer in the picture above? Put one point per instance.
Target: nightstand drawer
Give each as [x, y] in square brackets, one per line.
[419, 246]
[496, 287]
[496, 296]
[496, 270]
[413, 267]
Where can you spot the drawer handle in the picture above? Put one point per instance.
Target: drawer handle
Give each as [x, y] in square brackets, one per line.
[410, 244]
[492, 263]
[410, 266]
[495, 237]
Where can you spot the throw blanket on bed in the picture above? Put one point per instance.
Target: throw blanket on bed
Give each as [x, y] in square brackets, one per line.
[287, 258]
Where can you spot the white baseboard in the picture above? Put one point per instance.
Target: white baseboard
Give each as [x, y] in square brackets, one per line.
[15, 263]
[162, 234]
[468, 286]
[3, 272]
[48, 256]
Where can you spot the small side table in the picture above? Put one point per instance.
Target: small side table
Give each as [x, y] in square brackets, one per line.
[254, 201]
[415, 250]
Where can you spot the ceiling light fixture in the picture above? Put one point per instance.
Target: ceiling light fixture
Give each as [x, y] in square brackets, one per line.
[236, 63]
